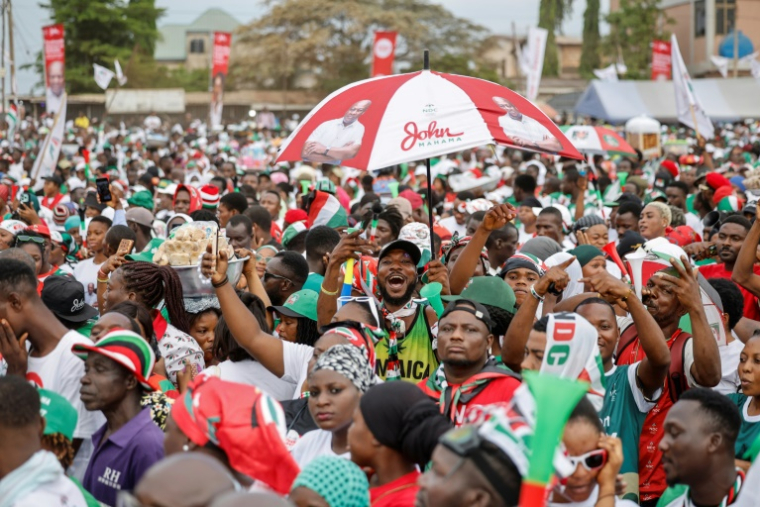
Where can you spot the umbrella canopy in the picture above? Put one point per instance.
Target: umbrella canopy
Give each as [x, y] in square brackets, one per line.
[597, 140]
[389, 120]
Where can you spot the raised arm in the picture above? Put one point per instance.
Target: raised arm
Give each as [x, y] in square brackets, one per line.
[255, 286]
[744, 273]
[467, 262]
[244, 327]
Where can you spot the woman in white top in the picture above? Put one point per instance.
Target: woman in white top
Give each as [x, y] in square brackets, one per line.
[339, 378]
[597, 459]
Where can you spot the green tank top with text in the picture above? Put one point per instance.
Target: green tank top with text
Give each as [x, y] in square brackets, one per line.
[417, 359]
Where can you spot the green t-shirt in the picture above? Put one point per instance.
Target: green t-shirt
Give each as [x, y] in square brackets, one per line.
[314, 282]
[623, 414]
[417, 360]
[750, 428]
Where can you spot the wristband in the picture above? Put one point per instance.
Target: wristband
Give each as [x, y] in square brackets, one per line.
[102, 280]
[221, 283]
[535, 294]
[327, 292]
[102, 274]
[625, 299]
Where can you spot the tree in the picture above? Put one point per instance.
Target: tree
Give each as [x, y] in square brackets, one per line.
[330, 41]
[551, 14]
[99, 31]
[633, 27]
[591, 39]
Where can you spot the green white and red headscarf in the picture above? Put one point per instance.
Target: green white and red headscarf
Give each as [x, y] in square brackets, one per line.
[125, 348]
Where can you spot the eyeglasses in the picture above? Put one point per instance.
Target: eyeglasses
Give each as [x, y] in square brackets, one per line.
[260, 258]
[268, 275]
[23, 238]
[591, 460]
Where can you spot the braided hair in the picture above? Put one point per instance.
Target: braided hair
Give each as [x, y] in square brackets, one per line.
[307, 331]
[153, 283]
[61, 447]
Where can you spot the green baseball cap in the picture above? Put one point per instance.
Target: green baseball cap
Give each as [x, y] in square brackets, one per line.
[488, 290]
[147, 254]
[142, 199]
[60, 415]
[300, 304]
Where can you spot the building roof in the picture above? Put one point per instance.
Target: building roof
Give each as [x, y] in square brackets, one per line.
[171, 45]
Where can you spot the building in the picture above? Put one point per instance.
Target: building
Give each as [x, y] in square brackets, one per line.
[190, 45]
[702, 25]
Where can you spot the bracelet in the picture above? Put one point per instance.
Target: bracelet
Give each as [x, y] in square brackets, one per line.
[535, 294]
[102, 274]
[221, 283]
[102, 280]
[327, 292]
[630, 293]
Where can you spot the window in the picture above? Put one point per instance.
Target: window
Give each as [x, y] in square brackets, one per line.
[197, 46]
[725, 12]
[700, 16]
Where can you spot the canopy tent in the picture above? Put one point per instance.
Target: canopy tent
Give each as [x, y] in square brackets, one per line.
[617, 102]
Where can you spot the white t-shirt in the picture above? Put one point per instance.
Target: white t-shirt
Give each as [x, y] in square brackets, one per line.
[524, 236]
[451, 224]
[86, 273]
[694, 222]
[253, 373]
[334, 134]
[591, 501]
[295, 357]
[729, 363]
[312, 445]
[61, 492]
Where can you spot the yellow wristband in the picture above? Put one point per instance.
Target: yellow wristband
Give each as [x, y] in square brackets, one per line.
[327, 292]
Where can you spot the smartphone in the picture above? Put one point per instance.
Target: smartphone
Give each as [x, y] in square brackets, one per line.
[104, 192]
[125, 247]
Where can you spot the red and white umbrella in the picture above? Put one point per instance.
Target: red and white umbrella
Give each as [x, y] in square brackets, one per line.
[389, 120]
[597, 140]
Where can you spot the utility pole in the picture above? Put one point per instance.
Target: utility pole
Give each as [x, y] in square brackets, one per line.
[10, 51]
[736, 48]
[2, 57]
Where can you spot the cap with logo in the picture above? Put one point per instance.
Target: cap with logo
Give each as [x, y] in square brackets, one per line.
[64, 296]
[299, 305]
[60, 415]
[127, 349]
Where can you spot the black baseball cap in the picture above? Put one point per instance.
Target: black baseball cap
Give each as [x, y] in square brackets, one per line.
[55, 179]
[401, 244]
[629, 242]
[624, 197]
[64, 296]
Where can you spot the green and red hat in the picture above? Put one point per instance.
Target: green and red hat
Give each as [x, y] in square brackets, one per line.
[126, 348]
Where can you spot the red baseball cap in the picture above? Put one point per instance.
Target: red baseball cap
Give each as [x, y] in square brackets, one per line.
[715, 181]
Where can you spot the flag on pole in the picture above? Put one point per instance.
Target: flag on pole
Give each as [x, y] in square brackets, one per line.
[722, 63]
[51, 148]
[325, 209]
[120, 77]
[103, 76]
[11, 117]
[534, 60]
[688, 106]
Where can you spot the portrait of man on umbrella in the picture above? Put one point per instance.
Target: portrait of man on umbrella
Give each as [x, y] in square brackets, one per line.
[525, 131]
[336, 140]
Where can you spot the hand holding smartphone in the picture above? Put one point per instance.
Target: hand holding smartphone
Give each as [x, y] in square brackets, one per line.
[104, 191]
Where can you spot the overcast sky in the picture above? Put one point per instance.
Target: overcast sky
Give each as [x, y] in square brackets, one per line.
[496, 15]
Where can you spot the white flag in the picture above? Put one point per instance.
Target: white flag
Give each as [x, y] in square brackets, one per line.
[45, 163]
[120, 77]
[608, 73]
[748, 58]
[534, 59]
[722, 63]
[688, 106]
[755, 66]
[103, 76]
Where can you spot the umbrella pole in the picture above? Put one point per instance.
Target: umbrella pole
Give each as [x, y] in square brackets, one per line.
[426, 66]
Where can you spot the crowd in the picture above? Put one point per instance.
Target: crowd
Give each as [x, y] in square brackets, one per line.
[215, 329]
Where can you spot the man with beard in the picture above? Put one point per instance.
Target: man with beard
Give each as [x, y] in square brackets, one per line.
[698, 450]
[285, 274]
[695, 360]
[408, 353]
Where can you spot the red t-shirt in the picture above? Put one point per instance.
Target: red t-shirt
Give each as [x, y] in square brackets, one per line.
[399, 493]
[751, 308]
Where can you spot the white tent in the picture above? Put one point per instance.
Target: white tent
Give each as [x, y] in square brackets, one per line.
[617, 102]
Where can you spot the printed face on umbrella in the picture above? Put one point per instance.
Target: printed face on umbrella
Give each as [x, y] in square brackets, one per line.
[355, 111]
[506, 106]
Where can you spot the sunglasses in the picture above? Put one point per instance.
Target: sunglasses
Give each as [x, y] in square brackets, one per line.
[260, 258]
[268, 275]
[23, 238]
[342, 300]
[591, 461]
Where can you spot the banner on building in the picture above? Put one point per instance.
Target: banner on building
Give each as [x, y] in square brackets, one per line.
[533, 59]
[661, 61]
[383, 53]
[220, 61]
[55, 61]
[688, 107]
[47, 160]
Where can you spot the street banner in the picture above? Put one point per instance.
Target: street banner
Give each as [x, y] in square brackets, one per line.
[220, 61]
[103, 76]
[383, 53]
[688, 106]
[534, 60]
[11, 118]
[661, 62]
[722, 63]
[55, 60]
[47, 160]
[120, 77]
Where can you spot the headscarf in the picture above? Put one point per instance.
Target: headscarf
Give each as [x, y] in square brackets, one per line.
[522, 260]
[541, 246]
[338, 480]
[350, 362]
[574, 271]
[586, 253]
[457, 242]
[13, 226]
[359, 335]
[196, 202]
[244, 422]
[586, 222]
[578, 340]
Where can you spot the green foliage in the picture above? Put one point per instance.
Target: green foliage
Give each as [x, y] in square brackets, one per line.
[633, 27]
[591, 39]
[99, 31]
[551, 14]
[332, 40]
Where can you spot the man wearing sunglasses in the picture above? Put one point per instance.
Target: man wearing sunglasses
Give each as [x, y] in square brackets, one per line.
[285, 274]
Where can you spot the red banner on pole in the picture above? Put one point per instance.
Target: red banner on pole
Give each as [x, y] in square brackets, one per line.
[220, 60]
[661, 61]
[383, 51]
[55, 60]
